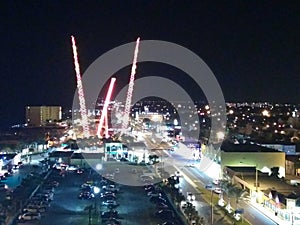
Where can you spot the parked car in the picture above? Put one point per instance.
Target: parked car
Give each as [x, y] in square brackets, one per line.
[164, 214]
[72, 168]
[156, 199]
[41, 198]
[49, 195]
[190, 196]
[48, 189]
[80, 171]
[216, 181]
[29, 216]
[110, 214]
[34, 209]
[218, 190]
[111, 188]
[110, 203]
[149, 187]
[52, 183]
[167, 223]
[38, 204]
[154, 193]
[107, 193]
[108, 197]
[113, 222]
[3, 186]
[161, 205]
[86, 195]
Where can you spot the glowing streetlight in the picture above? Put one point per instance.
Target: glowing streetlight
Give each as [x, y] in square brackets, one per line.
[266, 113]
[99, 167]
[220, 135]
[175, 122]
[96, 190]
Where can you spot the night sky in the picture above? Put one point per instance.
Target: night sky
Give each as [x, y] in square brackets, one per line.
[253, 47]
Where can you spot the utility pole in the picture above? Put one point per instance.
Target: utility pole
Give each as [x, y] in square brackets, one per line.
[212, 207]
[256, 179]
[90, 214]
[211, 202]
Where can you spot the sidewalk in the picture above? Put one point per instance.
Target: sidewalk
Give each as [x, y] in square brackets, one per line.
[269, 214]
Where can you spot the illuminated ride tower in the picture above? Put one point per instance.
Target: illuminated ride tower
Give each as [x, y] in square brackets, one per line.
[125, 121]
[103, 122]
[83, 111]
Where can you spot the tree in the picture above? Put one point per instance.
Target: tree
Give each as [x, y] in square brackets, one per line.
[153, 158]
[232, 191]
[238, 193]
[190, 211]
[275, 172]
[179, 197]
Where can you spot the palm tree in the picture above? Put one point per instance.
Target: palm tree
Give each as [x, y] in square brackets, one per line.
[233, 191]
[238, 193]
[227, 187]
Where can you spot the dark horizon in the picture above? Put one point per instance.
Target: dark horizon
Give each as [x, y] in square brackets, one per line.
[252, 48]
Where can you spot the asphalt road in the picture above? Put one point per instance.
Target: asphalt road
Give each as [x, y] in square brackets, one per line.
[197, 177]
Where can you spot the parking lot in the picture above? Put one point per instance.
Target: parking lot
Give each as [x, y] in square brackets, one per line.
[134, 205]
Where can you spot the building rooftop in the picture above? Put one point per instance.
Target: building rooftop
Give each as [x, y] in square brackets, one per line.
[267, 183]
[87, 155]
[228, 146]
[61, 154]
[293, 158]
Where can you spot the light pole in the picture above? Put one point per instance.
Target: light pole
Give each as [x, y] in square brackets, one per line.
[220, 136]
[212, 208]
[256, 179]
[211, 203]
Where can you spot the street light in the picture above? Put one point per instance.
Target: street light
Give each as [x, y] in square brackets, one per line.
[220, 135]
[211, 202]
[89, 208]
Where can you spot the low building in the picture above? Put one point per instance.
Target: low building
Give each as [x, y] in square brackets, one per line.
[60, 156]
[292, 165]
[273, 193]
[87, 160]
[252, 155]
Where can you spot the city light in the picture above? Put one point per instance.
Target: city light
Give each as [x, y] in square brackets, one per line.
[266, 113]
[99, 166]
[220, 135]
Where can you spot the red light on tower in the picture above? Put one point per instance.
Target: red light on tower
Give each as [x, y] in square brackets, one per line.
[84, 118]
[130, 87]
[103, 117]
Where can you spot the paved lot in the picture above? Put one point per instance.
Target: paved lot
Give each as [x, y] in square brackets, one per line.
[135, 207]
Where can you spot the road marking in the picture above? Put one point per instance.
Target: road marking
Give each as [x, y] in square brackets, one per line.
[190, 181]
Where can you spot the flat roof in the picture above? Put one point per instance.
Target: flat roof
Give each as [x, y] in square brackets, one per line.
[293, 158]
[245, 169]
[267, 183]
[61, 154]
[228, 146]
[91, 155]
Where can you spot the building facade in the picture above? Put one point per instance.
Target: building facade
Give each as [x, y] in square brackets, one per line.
[37, 116]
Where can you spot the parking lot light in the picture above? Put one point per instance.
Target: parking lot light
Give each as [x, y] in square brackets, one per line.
[96, 190]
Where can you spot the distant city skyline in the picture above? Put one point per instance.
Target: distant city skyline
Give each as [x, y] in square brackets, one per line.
[252, 48]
